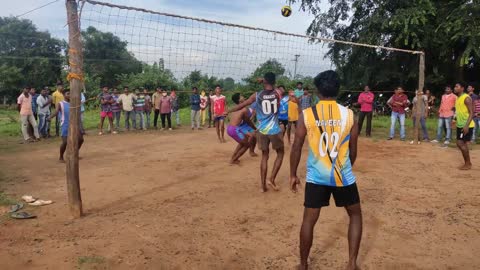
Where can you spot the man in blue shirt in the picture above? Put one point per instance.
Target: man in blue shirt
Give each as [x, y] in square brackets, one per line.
[195, 106]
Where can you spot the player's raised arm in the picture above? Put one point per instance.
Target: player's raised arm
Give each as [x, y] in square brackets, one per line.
[353, 142]
[296, 152]
[244, 104]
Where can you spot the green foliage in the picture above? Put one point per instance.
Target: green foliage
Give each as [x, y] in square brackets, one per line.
[447, 31]
[150, 78]
[27, 56]
[271, 65]
[106, 56]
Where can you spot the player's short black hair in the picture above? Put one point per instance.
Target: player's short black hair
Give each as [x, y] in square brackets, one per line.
[269, 78]
[59, 83]
[236, 98]
[462, 84]
[281, 86]
[219, 86]
[327, 83]
[470, 84]
[301, 83]
[194, 88]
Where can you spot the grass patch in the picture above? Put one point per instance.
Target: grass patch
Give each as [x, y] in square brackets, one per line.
[5, 200]
[89, 261]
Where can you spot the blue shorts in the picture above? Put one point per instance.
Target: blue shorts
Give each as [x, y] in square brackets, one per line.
[218, 118]
[238, 133]
[64, 131]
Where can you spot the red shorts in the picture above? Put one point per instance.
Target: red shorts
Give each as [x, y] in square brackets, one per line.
[106, 114]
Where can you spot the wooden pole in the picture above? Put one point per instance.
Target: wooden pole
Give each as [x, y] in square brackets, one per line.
[421, 84]
[75, 58]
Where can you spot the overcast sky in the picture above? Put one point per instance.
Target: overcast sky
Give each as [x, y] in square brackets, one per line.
[219, 51]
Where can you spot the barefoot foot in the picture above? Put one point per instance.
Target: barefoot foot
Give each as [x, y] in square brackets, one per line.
[235, 162]
[253, 154]
[272, 185]
[465, 167]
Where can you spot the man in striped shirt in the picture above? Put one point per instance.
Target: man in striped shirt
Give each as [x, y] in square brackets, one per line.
[139, 99]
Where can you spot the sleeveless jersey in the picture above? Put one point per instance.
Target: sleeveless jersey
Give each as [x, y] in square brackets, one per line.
[462, 112]
[267, 104]
[328, 127]
[65, 113]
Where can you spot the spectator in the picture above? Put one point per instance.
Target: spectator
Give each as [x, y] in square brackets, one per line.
[398, 102]
[431, 101]
[423, 113]
[156, 104]
[24, 102]
[365, 100]
[292, 114]
[116, 109]
[82, 111]
[139, 110]
[44, 102]
[299, 91]
[148, 108]
[210, 104]
[33, 93]
[166, 109]
[306, 100]
[195, 106]
[445, 113]
[57, 96]
[175, 107]
[476, 110]
[203, 107]
[126, 101]
[106, 101]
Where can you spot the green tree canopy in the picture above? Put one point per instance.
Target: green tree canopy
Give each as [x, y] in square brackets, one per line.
[271, 65]
[106, 55]
[27, 56]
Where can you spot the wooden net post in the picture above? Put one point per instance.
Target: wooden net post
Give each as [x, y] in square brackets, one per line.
[421, 84]
[75, 59]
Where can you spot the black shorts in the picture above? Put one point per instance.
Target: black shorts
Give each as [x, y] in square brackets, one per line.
[464, 137]
[317, 196]
[283, 122]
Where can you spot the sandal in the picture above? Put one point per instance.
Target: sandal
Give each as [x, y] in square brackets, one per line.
[22, 215]
[15, 207]
[28, 198]
[40, 203]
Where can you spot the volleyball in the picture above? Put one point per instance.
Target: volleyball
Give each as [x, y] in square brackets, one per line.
[286, 11]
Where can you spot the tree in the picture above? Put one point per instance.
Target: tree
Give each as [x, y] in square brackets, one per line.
[27, 56]
[228, 83]
[271, 65]
[446, 30]
[106, 56]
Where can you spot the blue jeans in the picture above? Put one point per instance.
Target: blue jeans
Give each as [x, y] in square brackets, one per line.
[423, 124]
[116, 119]
[444, 122]
[43, 124]
[477, 127]
[139, 114]
[176, 114]
[147, 119]
[401, 117]
[129, 115]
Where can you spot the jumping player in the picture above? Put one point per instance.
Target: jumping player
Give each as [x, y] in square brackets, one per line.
[241, 129]
[267, 103]
[465, 124]
[219, 103]
[332, 138]
[63, 108]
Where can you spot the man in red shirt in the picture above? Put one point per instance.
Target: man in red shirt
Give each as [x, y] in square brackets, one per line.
[398, 102]
[476, 109]
[365, 100]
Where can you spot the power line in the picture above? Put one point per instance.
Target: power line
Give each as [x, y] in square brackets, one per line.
[49, 3]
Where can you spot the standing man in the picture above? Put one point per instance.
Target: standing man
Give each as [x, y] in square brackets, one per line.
[292, 114]
[219, 102]
[116, 109]
[446, 112]
[156, 104]
[34, 95]
[126, 100]
[299, 91]
[166, 110]
[195, 106]
[63, 111]
[365, 100]
[43, 102]
[106, 101]
[24, 102]
[148, 108]
[423, 107]
[175, 108]
[398, 102]
[267, 103]
[57, 96]
[203, 108]
[209, 108]
[139, 103]
[283, 113]
[465, 125]
[332, 139]
[476, 110]
[305, 100]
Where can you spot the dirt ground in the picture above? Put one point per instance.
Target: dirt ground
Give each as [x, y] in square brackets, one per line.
[171, 201]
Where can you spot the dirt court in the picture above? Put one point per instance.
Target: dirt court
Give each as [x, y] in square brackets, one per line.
[171, 201]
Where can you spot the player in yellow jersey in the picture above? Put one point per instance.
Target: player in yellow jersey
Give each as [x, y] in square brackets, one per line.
[465, 124]
[332, 133]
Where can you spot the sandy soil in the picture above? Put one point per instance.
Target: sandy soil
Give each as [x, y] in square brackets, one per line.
[171, 201]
